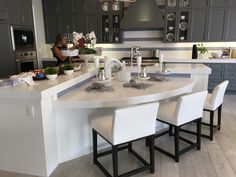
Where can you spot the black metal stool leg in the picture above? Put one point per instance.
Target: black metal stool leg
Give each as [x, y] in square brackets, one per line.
[211, 124]
[115, 161]
[152, 158]
[176, 144]
[130, 146]
[219, 116]
[170, 130]
[94, 146]
[199, 134]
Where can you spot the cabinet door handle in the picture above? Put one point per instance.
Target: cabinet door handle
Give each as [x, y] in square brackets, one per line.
[12, 38]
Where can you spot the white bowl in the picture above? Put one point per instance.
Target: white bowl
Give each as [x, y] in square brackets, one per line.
[51, 76]
[68, 72]
[216, 54]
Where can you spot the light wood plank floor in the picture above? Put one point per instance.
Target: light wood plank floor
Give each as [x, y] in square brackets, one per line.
[216, 158]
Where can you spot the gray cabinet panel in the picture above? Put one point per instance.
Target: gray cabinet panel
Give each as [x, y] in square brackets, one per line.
[65, 6]
[66, 22]
[50, 6]
[218, 3]
[94, 24]
[216, 24]
[79, 6]
[51, 27]
[26, 15]
[198, 25]
[13, 11]
[232, 3]
[92, 6]
[3, 11]
[231, 25]
[7, 62]
[80, 24]
[200, 3]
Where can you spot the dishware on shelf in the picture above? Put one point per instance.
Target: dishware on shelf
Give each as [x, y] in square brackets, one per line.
[183, 26]
[182, 17]
[182, 38]
[171, 28]
[116, 6]
[172, 3]
[170, 16]
[170, 37]
[105, 6]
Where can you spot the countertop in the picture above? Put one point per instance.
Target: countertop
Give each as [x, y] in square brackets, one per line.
[169, 60]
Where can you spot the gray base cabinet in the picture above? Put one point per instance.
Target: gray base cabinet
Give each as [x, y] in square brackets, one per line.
[221, 72]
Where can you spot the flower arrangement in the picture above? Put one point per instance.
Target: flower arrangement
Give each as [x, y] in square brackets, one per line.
[85, 43]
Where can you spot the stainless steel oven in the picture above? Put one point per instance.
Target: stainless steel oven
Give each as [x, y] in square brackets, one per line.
[26, 61]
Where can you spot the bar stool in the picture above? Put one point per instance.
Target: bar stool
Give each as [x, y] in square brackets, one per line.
[120, 129]
[187, 109]
[213, 102]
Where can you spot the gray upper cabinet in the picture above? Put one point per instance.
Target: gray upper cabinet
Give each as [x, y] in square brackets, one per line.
[232, 3]
[50, 7]
[94, 24]
[3, 11]
[216, 24]
[92, 6]
[218, 3]
[231, 26]
[66, 23]
[7, 62]
[20, 12]
[65, 6]
[198, 25]
[200, 3]
[51, 24]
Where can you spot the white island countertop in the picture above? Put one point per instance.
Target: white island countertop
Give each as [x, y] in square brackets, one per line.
[215, 60]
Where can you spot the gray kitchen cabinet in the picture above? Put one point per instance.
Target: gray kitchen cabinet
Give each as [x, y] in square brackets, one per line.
[221, 72]
[218, 3]
[200, 3]
[20, 12]
[65, 6]
[7, 60]
[93, 22]
[198, 25]
[66, 23]
[232, 3]
[216, 24]
[50, 7]
[3, 11]
[230, 25]
[51, 24]
[91, 6]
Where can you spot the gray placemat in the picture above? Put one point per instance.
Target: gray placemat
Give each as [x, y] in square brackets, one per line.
[99, 87]
[136, 85]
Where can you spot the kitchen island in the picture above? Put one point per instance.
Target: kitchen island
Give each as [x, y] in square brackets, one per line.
[46, 124]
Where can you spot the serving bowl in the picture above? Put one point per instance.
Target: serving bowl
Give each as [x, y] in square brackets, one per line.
[68, 72]
[51, 76]
[216, 54]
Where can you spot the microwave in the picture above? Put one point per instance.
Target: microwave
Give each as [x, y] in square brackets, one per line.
[23, 38]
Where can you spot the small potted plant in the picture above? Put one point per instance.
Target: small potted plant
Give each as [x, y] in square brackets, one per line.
[202, 51]
[51, 73]
[68, 69]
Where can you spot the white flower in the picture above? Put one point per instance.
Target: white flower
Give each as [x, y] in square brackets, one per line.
[89, 37]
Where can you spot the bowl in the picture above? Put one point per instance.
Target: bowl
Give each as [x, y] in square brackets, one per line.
[216, 54]
[51, 76]
[68, 72]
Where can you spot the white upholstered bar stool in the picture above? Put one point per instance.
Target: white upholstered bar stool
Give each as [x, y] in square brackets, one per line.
[213, 102]
[120, 129]
[187, 109]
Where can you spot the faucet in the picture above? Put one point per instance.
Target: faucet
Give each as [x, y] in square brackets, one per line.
[134, 53]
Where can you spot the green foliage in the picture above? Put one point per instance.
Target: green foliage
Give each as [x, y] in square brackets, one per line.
[201, 48]
[86, 51]
[101, 68]
[68, 67]
[51, 70]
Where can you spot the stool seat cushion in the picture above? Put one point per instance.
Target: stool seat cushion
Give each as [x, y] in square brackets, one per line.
[166, 112]
[103, 125]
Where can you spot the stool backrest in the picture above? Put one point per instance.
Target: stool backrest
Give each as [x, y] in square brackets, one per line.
[218, 93]
[134, 122]
[190, 107]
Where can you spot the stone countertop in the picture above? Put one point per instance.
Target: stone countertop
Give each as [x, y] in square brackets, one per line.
[215, 60]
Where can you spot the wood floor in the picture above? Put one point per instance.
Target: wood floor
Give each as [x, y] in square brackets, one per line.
[216, 158]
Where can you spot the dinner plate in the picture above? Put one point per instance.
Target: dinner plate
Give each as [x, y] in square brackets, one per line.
[170, 37]
[183, 26]
[170, 16]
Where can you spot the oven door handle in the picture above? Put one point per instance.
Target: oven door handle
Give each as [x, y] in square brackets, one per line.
[12, 39]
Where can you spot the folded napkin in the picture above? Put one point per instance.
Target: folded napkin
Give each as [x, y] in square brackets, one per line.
[22, 79]
[136, 85]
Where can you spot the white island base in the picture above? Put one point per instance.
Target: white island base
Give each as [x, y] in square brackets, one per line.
[39, 130]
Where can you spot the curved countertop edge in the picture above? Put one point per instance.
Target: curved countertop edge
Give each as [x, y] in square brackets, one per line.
[215, 60]
[123, 101]
[46, 89]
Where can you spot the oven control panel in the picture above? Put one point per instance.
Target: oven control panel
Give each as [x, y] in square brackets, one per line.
[26, 55]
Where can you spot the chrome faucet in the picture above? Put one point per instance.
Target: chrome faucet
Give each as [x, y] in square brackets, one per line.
[134, 53]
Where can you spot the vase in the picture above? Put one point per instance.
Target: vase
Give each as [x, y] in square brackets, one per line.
[202, 56]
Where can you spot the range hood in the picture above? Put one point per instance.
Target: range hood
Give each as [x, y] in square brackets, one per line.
[142, 15]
